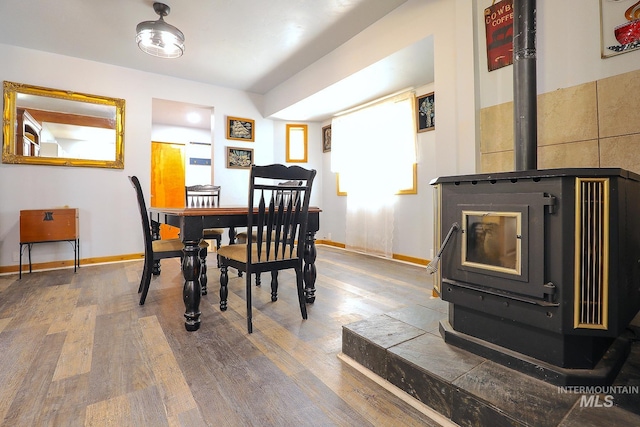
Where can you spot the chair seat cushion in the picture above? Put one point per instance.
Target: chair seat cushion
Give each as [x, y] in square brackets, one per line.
[172, 245]
[242, 236]
[210, 233]
[239, 253]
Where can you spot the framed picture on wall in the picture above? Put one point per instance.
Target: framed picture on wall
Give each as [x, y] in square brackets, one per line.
[239, 158]
[619, 27]
[498, 21]
[240, 129]
[426, 112]
[326, 139]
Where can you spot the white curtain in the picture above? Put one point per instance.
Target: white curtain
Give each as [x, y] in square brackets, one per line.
[373, 150]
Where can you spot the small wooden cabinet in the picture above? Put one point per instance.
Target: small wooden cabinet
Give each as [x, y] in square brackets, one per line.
[49, 225]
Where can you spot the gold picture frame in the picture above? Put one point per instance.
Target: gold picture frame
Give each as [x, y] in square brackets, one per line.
[240, 129]
[297, 143]
[239, 157]
[426, 112]
[326, 139]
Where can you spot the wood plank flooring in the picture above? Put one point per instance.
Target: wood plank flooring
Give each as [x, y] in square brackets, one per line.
[78, 350]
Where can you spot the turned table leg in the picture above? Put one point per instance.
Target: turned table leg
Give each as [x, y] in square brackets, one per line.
[309, 269]
[224, 290]
[192, 290]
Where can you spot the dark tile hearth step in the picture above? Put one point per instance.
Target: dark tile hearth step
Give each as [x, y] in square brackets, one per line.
[405, 348]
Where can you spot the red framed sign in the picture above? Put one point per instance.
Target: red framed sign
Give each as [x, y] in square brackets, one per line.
[498, 19]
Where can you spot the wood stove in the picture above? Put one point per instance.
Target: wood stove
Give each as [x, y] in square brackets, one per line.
[541, 268]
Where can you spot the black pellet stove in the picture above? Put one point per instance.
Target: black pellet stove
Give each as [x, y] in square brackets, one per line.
[541, 268]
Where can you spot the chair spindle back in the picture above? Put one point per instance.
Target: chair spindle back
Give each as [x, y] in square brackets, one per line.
[202, 196]
[282, 212]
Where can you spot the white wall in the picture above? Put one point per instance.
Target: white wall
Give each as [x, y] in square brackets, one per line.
[567, 46]
[109, 224]
[448, 150]
[314, 153]
[567, 55]
[109, 221]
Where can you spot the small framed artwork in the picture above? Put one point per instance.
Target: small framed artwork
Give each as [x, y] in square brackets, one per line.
[426, 112]
[326, 138]
[239, 158]
[619, 27]
[498, 20]
[240, 129]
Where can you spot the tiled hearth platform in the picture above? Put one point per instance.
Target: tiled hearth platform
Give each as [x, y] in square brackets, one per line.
[405, 348]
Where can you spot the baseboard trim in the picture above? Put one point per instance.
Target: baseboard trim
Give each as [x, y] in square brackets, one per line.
[397, 257]
[410, 259]
[330, 243]
[131, 257]
[54, 265]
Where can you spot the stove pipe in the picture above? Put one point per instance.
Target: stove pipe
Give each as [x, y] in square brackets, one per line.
[524, 85]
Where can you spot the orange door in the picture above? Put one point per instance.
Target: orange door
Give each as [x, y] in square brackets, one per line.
[167, 180]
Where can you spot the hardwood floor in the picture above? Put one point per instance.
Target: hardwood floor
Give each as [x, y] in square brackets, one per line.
[78, 350]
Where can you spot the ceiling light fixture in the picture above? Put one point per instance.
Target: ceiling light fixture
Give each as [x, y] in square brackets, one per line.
[158, 38]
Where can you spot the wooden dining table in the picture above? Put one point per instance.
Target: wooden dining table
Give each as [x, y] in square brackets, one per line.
[192, 222]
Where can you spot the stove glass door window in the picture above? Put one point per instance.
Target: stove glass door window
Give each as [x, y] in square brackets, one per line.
[492, 240]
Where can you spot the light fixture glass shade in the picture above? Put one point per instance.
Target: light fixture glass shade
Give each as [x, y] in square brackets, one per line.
[160, 39]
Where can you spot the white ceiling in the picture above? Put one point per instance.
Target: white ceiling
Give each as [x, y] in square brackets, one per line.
[249, 45]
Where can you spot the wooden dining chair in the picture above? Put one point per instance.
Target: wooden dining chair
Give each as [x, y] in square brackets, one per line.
[280, 194]
[155, 250]
[280, 224]
[205, 196]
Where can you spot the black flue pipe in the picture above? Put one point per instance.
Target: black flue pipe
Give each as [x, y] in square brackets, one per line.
[525, 105]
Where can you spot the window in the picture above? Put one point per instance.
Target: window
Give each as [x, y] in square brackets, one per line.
[296, 143]
[373, 148]
[374, 153]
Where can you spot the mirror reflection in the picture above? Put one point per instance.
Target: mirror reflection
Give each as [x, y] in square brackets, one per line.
[55, 127]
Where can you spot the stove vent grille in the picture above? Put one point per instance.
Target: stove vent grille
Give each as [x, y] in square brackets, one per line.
[592, 253]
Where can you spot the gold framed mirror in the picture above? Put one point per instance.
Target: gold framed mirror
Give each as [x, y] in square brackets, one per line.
[44, 126]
